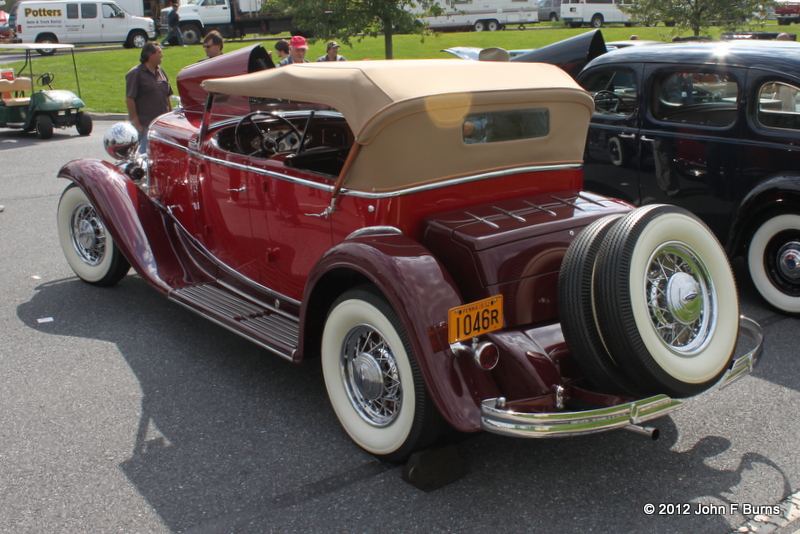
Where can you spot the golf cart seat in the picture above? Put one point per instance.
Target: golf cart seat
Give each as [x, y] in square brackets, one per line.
[14, 86]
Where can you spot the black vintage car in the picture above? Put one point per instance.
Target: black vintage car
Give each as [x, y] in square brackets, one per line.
[712, 127]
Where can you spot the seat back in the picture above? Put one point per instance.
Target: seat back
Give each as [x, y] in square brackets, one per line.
[7, 87]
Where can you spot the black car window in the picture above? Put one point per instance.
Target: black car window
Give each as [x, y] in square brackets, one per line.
[778, 106]
[704, 98]
[614, 91]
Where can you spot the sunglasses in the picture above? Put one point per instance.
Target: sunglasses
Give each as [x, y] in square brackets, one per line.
[209, 45]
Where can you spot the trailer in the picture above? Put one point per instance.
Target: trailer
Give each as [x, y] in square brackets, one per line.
[484, 15]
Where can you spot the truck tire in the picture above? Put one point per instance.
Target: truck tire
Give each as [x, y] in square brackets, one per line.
[136, 39]
[191, 34]
[47, 38]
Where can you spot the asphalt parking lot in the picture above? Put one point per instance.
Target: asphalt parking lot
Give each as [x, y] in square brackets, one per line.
[123, 412]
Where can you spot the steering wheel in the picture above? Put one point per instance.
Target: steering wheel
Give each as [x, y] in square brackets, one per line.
[603, 95]
[46, 79]
[266, 142]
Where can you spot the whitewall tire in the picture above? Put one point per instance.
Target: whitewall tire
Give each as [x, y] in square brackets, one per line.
[666, 301]
[774, 261]
[372, 378]
[86, 244]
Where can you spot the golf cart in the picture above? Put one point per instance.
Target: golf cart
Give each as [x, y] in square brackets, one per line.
[23, 107]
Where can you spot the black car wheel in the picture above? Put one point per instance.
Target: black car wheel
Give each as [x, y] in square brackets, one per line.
[44, 126]
[666, 301]
[83, 123]
[47, 39]
[136, 39]
[89, 249]
[774, 261]
[372, 378]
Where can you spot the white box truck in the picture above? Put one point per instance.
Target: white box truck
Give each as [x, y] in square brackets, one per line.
[232, 18]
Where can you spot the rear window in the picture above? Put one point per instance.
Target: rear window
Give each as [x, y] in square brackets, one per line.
[499, 126]
[702, 98]
[779, 106]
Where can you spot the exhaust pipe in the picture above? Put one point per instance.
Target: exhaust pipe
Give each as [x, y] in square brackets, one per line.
[649, 431]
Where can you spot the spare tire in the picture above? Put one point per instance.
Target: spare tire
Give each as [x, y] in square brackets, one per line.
[576, 308]
[666, 301]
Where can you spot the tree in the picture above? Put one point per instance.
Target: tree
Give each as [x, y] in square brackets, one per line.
[343, 19]
[698, 15]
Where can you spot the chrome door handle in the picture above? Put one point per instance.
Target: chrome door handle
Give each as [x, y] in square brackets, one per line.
[240, 190]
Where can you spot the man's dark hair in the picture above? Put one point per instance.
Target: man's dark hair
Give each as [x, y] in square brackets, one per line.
[148, 50]
[215, 37]
[282, 46]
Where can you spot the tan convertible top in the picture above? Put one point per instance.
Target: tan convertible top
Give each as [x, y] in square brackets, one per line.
[418, 107]
[361, 89]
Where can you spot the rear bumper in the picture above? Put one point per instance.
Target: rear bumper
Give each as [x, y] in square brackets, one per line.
[499, 418]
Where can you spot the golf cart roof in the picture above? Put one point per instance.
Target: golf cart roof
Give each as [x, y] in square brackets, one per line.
[35, 46]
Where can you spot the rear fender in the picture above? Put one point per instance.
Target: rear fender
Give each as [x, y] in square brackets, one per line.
[421, 292]
[780, 193]
[144, 234]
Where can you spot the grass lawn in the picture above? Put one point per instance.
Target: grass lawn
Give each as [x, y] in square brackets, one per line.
[102, 74]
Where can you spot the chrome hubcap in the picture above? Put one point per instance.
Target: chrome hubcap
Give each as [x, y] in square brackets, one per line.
[789, 260]
[88, 234]
[370, 376]
[684, 300]
[680, 298]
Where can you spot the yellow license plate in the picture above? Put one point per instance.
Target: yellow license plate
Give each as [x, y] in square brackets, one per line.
[475, 318]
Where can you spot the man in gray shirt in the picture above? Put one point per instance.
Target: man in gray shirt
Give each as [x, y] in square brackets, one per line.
[147, 91]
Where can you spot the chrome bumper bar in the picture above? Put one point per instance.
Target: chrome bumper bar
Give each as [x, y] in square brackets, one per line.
[494, 418]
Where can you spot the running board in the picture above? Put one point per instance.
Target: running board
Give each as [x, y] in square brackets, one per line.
[264, 325]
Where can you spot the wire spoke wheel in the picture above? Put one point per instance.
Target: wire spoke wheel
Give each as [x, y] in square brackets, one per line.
[85, 241]
[371, 376]
[682, 306]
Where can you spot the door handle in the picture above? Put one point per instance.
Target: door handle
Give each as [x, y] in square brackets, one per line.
[627, 136]
[240, 190]
[647, 139]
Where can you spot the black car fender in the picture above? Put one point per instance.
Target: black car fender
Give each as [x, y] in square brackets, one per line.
[779, 192]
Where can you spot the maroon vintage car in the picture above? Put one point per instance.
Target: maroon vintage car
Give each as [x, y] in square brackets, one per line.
[429, 242]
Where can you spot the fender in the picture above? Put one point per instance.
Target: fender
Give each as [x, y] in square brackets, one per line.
[421, 292]
[145, 234]
[774, 193]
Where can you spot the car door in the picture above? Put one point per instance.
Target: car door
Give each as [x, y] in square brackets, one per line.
[689, 139]
[115, 23]
[91, 23]
[611, 159]
[214, 12]
[73, 25]
[230, 192]
[289, 219]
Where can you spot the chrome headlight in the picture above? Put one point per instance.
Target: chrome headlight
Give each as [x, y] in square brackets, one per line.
[121, 140]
